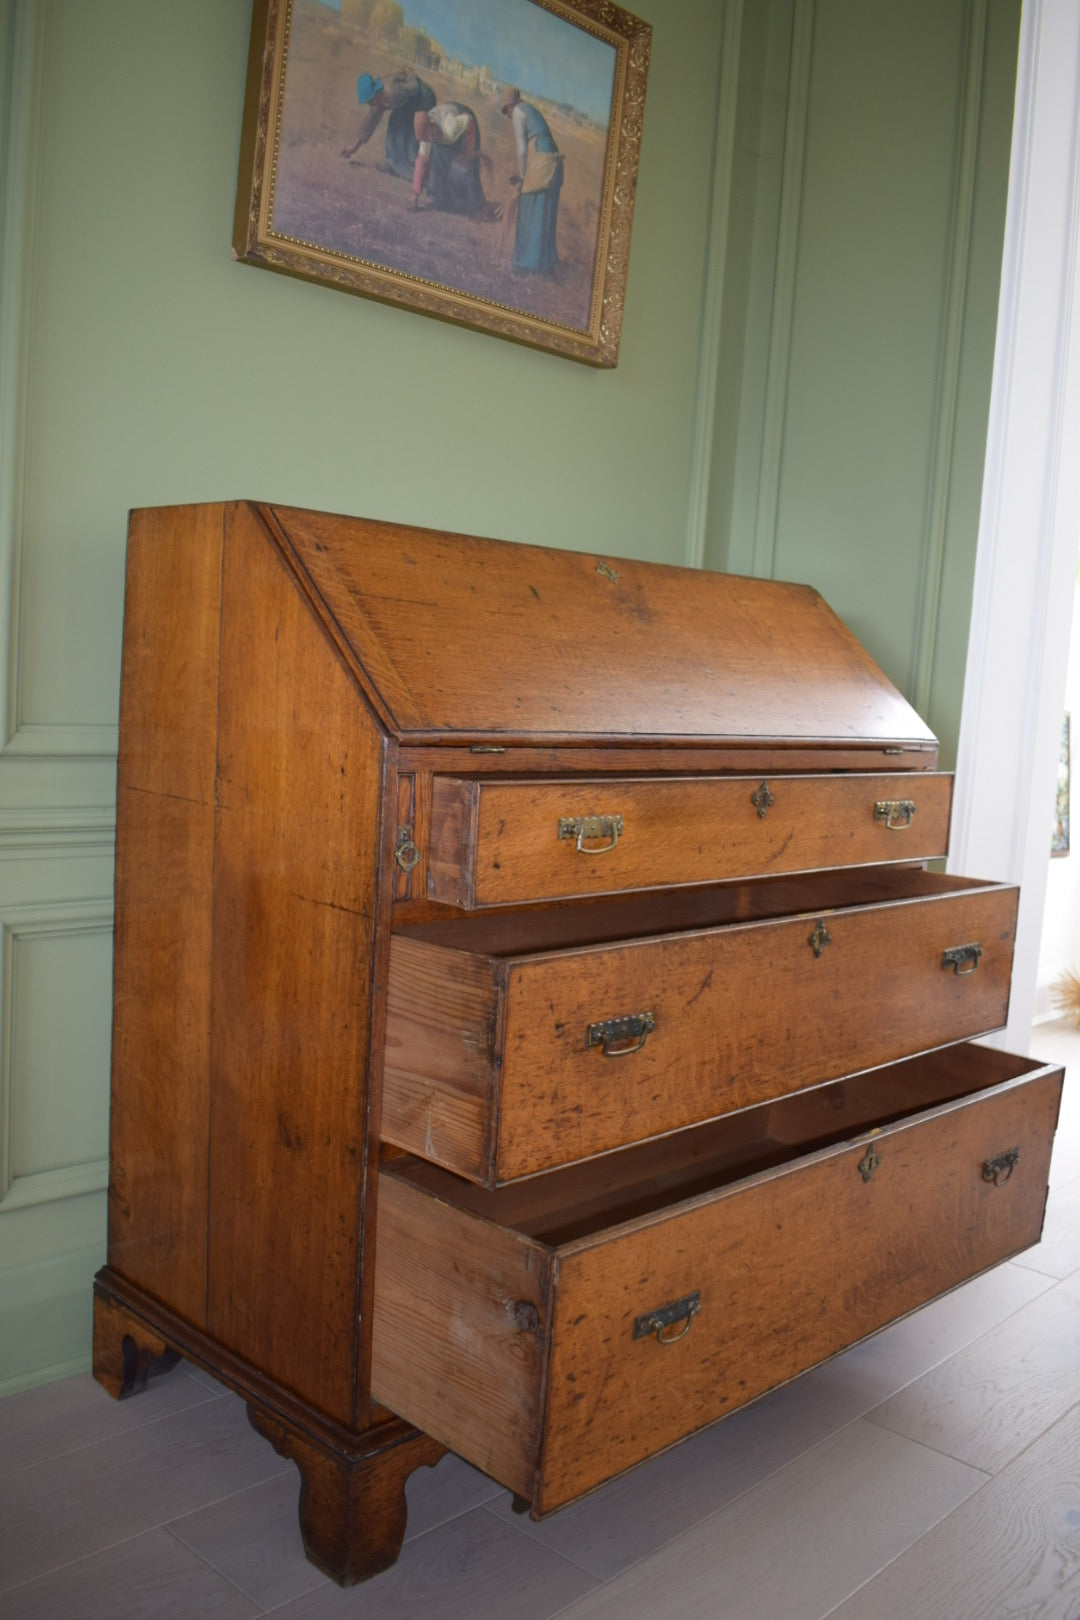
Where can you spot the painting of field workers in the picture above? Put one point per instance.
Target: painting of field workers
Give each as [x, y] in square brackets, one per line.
[459, 142]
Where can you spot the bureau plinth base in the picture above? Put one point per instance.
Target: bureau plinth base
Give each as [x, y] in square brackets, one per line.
[352, 1508]
[352, 1485]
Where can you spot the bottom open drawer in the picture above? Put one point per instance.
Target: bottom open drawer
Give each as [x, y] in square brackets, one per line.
[560, 1330]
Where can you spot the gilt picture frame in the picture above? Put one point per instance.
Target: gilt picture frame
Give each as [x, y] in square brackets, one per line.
[474, 160]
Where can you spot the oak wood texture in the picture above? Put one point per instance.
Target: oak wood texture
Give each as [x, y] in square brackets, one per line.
[776, 1295]
[455, 637]
[497, 843]
[487, 1069]
[330, 727]
[295, 862]
[352, 1514]
[159, 1119]
[352, 1501]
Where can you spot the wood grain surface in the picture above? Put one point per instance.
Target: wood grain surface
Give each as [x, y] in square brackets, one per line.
[496, 843]
[295, 856]
[487, 1067]
[456, 636]
[160, 1105]
[791, 1265]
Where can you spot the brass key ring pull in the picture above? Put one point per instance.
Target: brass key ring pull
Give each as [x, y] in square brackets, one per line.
[621, 1037]
[1000, 1170]
[406, 853]
[679, 1314]
[963, 959]
[591, 827]
[895, 813]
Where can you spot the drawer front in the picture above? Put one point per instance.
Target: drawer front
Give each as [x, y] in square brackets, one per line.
[499, 1072]
[557, 1367]
[500, 843]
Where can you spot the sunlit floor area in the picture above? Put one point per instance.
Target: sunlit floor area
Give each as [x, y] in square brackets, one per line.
[933, 1471]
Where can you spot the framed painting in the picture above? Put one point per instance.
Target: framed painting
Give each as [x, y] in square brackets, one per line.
[472, 159]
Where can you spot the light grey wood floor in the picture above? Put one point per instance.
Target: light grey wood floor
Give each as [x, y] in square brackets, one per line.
[932, 1473]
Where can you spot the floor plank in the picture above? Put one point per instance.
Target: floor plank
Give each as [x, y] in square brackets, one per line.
[150, 1575]
[53, 1419]
[471, 1569]
[110, 1491]
[988, 1403]
[1012, 1550]
[253, 1537]
[798, 1543]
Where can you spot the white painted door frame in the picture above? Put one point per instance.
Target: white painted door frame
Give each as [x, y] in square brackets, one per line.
[1029, 531]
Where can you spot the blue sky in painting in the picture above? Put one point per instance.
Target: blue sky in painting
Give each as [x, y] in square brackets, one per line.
[522, 44]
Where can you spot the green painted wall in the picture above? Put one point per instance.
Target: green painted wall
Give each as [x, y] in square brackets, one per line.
[869, 180]
[138, 365]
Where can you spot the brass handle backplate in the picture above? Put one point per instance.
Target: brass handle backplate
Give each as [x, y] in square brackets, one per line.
[895, 813]
[588, 828]
[963, 959]
[820, 937]
[620, 1037]
[1000, 1169]
[666, 1316]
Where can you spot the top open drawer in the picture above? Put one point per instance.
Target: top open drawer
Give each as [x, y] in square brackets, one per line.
[497, 842]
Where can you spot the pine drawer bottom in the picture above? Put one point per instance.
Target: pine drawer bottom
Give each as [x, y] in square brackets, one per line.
[559, 1331]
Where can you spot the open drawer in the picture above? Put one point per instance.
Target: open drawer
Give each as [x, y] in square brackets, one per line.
[496, 842]
[520, 1041]
[557, 1332]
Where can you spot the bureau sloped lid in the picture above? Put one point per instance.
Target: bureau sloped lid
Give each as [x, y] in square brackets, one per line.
[465, 639]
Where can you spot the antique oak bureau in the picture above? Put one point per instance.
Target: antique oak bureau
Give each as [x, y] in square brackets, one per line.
[537, 1029]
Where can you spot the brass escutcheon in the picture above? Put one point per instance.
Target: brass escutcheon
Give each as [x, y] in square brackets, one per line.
[1000, 1169]
[620, 1037]
[590, 827]
[963, 959]
[821, 937]
[895, 813]
[762, 800]
[680, 1310]
[869, 1162]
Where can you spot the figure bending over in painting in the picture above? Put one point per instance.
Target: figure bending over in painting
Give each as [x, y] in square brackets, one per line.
[448, 162]
[402, 95]
[540, 176]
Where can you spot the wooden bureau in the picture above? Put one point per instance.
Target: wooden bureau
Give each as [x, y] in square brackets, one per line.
[538, 1031]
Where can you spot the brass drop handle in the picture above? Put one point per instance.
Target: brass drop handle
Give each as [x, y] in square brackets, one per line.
[585, 828]
[406, 853]
[621, 1037]
[963, 959]
[668, 1316]
[895, 813]
[999, 1170]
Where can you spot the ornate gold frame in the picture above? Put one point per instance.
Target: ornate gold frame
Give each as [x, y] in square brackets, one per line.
[255, 240]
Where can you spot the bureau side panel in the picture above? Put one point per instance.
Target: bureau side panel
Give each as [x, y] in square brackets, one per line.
[164, 859]
[296, 855]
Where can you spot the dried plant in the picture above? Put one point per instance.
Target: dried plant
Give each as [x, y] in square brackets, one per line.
[1065, 993]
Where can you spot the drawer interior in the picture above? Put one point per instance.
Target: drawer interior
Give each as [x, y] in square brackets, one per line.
[583, 1199]
[524, 929]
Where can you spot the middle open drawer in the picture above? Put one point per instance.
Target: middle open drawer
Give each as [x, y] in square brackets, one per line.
[520, 1041]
